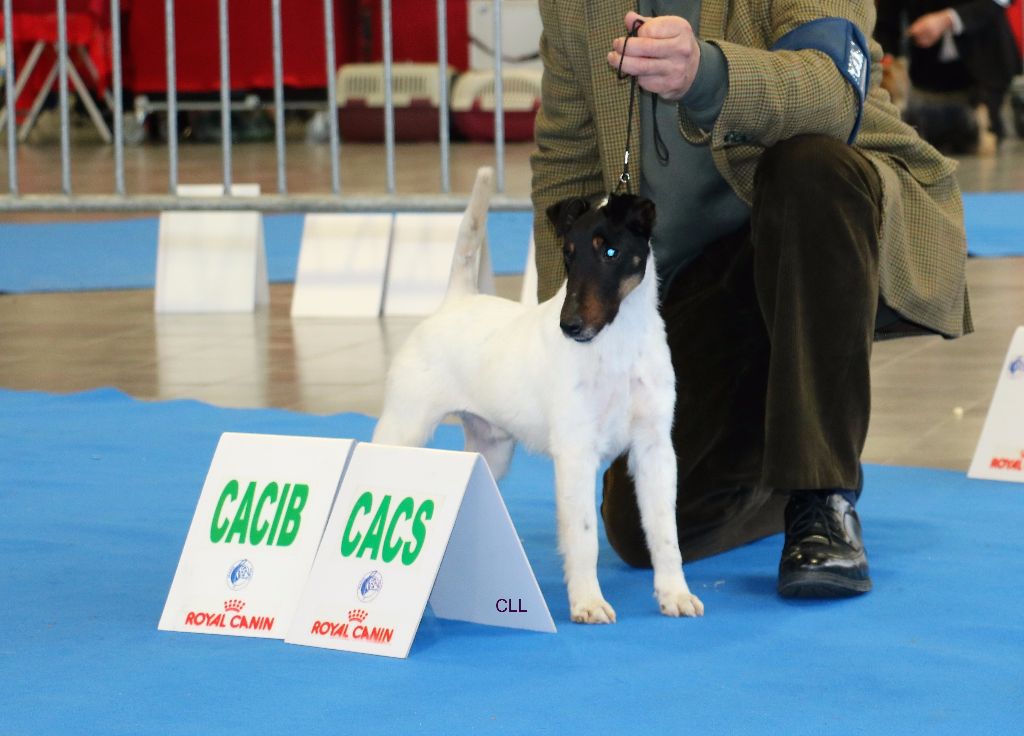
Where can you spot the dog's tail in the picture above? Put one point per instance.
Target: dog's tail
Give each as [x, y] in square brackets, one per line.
[472, 233]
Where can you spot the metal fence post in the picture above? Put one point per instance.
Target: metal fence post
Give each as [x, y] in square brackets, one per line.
[9, 88]
[442, 84]
[275, 18]
[62, 82]
[332, 95]
[224, 43]
[172, 99]
[389, 97]
[499, 102]
[116, 81]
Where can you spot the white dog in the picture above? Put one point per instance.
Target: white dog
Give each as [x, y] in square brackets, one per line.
[582, 377]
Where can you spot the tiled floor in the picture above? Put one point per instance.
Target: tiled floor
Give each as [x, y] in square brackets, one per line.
[69, 342]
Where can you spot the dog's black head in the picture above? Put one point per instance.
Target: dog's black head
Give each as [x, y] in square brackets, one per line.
[605, 250]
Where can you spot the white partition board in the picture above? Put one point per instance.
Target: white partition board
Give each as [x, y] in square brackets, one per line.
[1000, 451]
[211, 261]
[422, 248]
[401, 515]
[342, 263]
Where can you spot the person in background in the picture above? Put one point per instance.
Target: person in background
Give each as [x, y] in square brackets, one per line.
[797, 219]
[961, 56]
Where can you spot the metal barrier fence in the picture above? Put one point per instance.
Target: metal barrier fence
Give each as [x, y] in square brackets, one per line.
[122, 201]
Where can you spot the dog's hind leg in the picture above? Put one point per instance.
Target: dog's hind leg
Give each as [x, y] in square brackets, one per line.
[398, 426]
[408, 419]
[494, 444]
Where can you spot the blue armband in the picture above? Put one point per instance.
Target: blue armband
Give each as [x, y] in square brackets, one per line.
[840, 40]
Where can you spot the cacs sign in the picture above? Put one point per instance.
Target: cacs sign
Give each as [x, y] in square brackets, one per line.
[406, 526]
[254, 534]
[377, 531]
[412, 525]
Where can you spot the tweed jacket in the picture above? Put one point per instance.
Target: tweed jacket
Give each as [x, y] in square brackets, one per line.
[581, 134]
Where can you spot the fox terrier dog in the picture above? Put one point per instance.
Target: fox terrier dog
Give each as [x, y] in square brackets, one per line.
[582, 377]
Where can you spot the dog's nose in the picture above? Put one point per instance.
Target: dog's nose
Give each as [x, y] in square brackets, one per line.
[572, 327]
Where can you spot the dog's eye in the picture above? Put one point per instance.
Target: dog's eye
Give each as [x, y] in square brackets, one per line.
[611, 253]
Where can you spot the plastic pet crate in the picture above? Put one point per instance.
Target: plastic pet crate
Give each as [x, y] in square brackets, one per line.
[416, 92]
[473, 103]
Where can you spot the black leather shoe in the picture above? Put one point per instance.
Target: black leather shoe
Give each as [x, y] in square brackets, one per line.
[823, 556]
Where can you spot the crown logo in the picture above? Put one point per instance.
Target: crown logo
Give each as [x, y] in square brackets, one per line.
[234, 604]
[358, 615]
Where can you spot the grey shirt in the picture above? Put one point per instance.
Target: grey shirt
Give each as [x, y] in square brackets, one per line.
[694, 204]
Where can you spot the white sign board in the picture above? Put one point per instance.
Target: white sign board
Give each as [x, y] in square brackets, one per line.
[411, 525]
[254, 534]
[211, 261]
[342, 263]
[422, 249]
[1000, 452]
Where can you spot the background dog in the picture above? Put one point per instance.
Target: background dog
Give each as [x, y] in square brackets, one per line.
[950, 122]
[582, 377]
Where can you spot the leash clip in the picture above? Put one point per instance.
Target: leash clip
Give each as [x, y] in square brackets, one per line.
[624, 176]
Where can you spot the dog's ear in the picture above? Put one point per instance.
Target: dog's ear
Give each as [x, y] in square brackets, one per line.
[640, 218]
[563, 214]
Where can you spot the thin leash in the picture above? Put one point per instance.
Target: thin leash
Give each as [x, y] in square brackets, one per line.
[659, 145]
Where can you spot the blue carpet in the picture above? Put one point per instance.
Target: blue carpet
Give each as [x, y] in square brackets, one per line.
[121, 254]
[98, 491]
[995, 224]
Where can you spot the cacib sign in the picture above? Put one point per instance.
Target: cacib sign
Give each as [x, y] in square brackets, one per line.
[338, 544]
[254, 534]
[270, 517]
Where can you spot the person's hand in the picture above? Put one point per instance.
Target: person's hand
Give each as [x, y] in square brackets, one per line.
[928, 29]
[664, 56]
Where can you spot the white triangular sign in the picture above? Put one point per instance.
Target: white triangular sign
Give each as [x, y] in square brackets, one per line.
[211, 261]
[342, 263]
[422, 248]
[254, 534]
[1000, 451]
[485, 577]
[411, 525]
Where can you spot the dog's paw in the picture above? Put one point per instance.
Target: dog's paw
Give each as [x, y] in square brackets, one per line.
[592, 611]
[681, 603]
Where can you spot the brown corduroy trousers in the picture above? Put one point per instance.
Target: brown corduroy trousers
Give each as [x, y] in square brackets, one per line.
[770, 331]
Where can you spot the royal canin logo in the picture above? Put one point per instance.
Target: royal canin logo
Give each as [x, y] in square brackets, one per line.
[354, 629]
[223, 621]
[1008, 463]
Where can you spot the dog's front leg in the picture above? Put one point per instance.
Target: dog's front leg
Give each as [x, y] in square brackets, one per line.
[577, 536]
[652, 463]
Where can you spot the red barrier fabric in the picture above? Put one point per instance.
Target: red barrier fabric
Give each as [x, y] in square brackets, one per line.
[197, 49]
[357, 26]
[88, 24]
[415, 31]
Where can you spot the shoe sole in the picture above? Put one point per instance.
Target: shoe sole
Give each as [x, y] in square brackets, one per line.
[821, 585]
